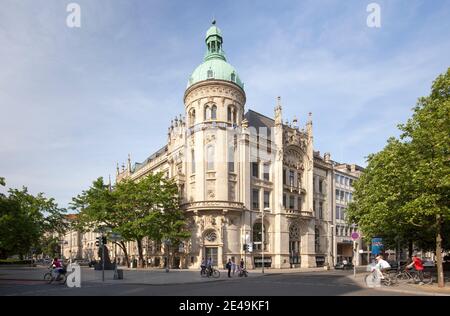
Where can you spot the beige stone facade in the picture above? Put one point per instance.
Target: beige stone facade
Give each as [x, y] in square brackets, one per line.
[232, 164]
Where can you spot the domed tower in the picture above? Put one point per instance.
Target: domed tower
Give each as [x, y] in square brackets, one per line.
[214, 102]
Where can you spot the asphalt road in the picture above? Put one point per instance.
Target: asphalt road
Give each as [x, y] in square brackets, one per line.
[290, 284]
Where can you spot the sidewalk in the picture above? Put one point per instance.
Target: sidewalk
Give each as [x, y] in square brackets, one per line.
[406, 288]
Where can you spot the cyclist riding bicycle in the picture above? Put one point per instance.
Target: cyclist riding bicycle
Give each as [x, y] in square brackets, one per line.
[57, 268]
[381, 267]
[418, 267]
[209, 264]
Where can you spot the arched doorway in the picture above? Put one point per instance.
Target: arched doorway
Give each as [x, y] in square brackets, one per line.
[211, 250]
[294, 244]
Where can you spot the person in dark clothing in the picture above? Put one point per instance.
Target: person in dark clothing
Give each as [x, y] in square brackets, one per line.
[228, 266]
[242, 263]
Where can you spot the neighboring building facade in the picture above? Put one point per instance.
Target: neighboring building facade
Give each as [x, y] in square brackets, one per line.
[344, 177]
[232, 165]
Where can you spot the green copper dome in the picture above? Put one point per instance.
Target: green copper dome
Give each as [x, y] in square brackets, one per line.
[215, 66]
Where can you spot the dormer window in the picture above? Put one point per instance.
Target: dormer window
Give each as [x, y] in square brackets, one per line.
[210, 73]
[233, 77]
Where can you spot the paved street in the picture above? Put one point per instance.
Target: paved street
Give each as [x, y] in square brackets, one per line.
[274, 284]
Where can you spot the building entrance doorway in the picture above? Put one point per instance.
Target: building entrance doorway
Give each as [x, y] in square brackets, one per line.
[212, 252]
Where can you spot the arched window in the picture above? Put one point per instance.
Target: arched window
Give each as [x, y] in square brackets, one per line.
[234, 116]
[229, 115]
[207, 113]
[294, 243]
[192, 117]
[210, 158]
[214, 112]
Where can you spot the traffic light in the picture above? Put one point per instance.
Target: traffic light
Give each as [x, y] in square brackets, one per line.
[98, 242]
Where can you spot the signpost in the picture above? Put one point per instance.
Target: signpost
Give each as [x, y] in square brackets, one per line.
[355, 237]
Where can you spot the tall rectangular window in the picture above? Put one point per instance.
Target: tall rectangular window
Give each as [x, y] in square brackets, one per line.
[320, 210]
[351, 182]
[284, 200]
[291, 202]
[337, 178]
[341, 181]
[266, 199]
[210, 157]
[255, 169]
[284, 177]
[299, 203]
[337, 212]
[314, 208]
[342, 195]
[291, 178]
[343, 213]
[231, 159]
[255, 199]
[337, 195]
[346, 181]
[320, 186]
[266, 171]
[193, 161]
[346, 197]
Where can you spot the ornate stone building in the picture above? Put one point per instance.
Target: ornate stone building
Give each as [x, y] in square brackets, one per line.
[231, 165]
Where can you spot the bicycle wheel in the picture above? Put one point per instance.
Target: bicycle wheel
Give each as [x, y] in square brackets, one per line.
[216, 274]
[386, 281]
[427, 278]
[62, 279]
[370, 280]
[48, 277]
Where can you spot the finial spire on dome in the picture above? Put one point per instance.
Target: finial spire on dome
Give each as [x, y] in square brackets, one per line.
[213, 21]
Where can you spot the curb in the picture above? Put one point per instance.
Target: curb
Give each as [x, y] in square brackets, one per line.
[392, 289]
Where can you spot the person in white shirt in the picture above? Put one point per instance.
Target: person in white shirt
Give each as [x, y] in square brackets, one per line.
[381, 266]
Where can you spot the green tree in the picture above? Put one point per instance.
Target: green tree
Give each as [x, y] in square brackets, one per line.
[147, 208]
[151, 208]
[25, 220]
[404, 191]
[97, 206]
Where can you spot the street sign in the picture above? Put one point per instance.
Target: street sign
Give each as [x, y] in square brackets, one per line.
[355, 236]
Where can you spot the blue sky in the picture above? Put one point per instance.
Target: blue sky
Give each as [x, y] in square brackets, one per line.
[74, 101]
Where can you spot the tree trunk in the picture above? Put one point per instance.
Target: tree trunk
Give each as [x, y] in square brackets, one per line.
[124, 248]
[141, 256]
[440, 270]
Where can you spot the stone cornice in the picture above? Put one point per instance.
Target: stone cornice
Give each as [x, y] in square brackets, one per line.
[222, 88]
[212, 205]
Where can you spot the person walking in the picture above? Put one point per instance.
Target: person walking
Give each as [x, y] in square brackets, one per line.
[242, 264]
[233, 266]
[228, 266]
